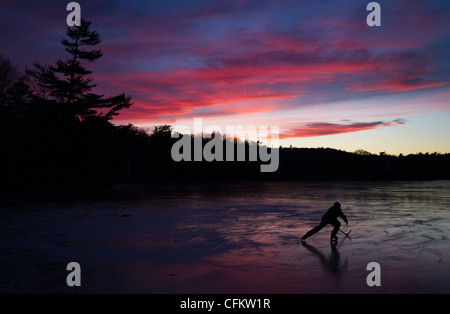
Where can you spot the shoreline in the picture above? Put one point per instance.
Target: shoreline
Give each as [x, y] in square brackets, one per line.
[133, 190]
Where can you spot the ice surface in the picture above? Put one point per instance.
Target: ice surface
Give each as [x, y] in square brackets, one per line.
[233, 238]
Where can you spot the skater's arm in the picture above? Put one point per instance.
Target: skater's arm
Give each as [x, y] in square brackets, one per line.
[343, 217]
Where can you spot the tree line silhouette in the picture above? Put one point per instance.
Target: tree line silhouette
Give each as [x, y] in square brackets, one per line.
[55, 132]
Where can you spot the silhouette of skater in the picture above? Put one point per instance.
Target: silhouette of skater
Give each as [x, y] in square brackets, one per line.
[330, 217]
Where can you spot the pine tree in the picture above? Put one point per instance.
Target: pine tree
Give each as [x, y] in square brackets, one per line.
[68, 82]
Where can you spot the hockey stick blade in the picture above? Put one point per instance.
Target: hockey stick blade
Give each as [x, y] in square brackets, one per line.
[346, 233]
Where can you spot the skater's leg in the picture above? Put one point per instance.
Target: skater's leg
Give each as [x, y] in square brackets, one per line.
[336, 225]
[315, 229]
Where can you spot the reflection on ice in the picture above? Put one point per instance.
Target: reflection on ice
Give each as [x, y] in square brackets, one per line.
[331, 263]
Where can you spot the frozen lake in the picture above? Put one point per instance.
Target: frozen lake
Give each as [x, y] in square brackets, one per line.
[233, 238]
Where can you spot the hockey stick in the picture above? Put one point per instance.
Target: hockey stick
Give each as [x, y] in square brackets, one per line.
[346, 234]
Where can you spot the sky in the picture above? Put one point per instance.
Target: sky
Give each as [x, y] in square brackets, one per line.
[315, 68]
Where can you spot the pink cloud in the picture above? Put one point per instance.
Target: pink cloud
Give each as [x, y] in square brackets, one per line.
[323, 129]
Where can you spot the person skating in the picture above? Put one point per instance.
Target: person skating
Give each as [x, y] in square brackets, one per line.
[330, 217]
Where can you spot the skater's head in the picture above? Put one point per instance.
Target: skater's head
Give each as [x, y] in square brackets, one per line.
[337, 204]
